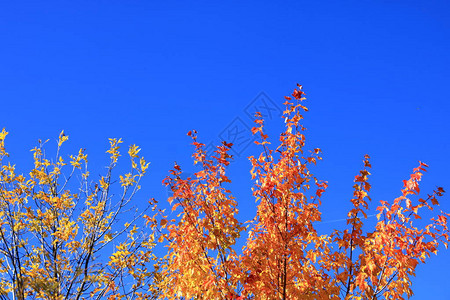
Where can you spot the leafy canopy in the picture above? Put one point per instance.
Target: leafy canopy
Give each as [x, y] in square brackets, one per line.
[284, 256]
[61, 239]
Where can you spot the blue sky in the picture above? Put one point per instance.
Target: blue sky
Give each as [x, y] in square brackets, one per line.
[376, 74]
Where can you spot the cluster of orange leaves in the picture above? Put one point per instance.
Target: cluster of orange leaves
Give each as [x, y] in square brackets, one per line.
[57, 244]
[284, 257]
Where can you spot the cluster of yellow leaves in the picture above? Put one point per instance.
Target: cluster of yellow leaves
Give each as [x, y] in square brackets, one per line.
[52, 240]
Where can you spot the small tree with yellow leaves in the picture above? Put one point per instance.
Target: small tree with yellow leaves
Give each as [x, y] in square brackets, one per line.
[52, 237]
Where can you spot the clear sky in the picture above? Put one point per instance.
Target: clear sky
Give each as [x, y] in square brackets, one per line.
[376, 74]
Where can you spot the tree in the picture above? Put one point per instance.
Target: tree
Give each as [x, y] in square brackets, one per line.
[284, 256]
[201, 261]
[57, 237]
[63, 238]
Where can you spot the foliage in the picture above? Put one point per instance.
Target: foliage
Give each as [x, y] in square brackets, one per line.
[66, 240]
[53, 240]
[284, 256]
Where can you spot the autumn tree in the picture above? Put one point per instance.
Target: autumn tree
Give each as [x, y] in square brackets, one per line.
[63, 234]
[284, 256]
[201, 260]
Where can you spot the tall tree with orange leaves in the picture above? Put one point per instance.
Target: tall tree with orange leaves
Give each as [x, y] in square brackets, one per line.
[284, 256]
